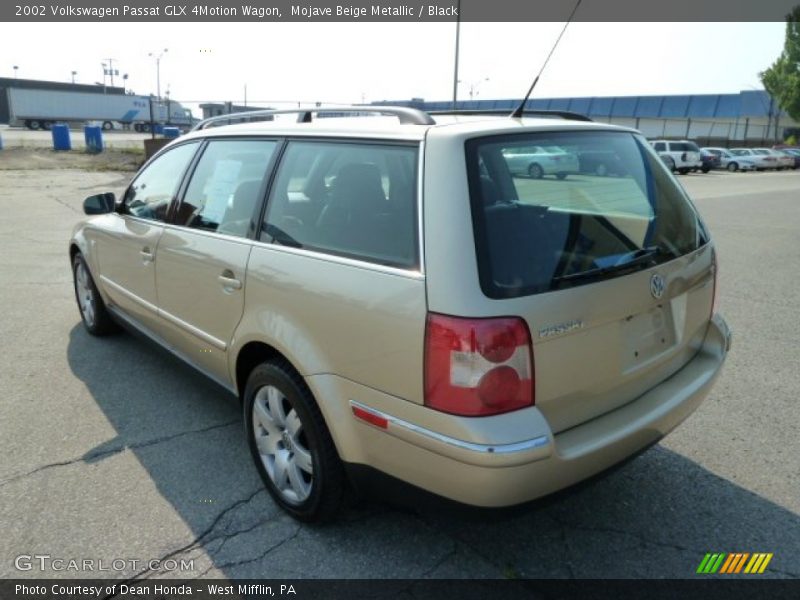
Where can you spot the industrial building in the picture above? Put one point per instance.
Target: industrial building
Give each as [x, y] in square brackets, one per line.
[750, 117]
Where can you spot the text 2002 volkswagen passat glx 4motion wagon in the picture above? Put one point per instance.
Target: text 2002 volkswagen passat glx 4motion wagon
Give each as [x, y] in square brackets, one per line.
[386, 292]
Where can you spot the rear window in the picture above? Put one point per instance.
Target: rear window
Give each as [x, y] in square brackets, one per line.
[545, 227]
[683, 147]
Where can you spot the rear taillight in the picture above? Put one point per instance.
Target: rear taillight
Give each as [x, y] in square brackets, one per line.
[715, 296]
[476, 367]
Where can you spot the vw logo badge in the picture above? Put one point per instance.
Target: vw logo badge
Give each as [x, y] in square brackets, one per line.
[657, 286]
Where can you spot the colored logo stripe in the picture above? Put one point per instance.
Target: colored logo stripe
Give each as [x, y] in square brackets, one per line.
[732, 563]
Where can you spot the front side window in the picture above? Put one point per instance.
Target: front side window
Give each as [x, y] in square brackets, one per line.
[355, 200]
[226, 186]
[538, 230]
[151, 193]
[660, 146]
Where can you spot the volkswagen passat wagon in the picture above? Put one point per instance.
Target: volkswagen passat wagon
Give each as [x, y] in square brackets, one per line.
[390, 294]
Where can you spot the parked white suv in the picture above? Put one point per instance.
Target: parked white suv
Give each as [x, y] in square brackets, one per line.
[679, 155]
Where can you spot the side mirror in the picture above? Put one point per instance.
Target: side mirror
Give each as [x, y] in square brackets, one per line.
[99, 204]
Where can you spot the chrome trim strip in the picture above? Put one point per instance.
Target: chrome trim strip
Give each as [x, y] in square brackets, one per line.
[209, 339]
[129, 295]
[352, 262]
[199, 333]
[155, 338]
[483, 450]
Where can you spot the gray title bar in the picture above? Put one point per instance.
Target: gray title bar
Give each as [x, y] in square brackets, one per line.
[393, 10]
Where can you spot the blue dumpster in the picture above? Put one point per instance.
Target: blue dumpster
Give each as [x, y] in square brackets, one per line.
[93, 134]
[1, 142]
[171, 132]
[158, 128]
[61, 139]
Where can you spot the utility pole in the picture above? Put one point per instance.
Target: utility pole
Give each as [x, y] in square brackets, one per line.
[110, 70]
[73, 76]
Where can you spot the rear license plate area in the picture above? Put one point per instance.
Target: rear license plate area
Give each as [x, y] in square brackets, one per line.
[646, 335]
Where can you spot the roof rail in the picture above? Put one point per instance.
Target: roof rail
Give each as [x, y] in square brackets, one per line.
[406, 115]
[562, 114]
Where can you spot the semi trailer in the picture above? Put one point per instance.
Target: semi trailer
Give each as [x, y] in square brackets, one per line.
[40, 108]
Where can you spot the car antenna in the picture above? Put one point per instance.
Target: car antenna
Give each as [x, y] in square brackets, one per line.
[519, 110]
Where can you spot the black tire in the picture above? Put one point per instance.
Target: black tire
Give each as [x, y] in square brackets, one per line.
[535, 171]
[145, 127]
[561, 175]
[47, 125]
[668, 160]
[35, 124]
[732, 167]
[684, 171]
[328, 482]
[108, 125]
[705, 169]
[601, 170]
[99, 322]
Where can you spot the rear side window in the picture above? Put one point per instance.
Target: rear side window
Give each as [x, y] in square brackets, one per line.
[348, 199]
[226, 186]
[541, 227]
[660, 146]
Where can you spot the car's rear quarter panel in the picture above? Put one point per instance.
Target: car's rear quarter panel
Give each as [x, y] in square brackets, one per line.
[358, 322]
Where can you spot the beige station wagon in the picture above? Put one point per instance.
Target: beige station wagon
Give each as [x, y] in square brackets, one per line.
[386, 295]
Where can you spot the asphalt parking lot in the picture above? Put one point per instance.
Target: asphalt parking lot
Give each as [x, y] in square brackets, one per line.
[112, 450]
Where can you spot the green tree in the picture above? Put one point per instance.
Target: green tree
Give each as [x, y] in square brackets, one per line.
[782, 79]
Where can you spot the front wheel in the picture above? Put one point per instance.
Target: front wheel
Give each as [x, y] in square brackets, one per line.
[290, 443]
[561, 176]
[93, 310]
[535, 171]
[732, 166]
[683, 171]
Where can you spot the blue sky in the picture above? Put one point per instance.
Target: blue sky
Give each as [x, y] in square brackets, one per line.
[351, 62]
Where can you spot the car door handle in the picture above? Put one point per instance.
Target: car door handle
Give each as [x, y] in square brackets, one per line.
[229, 281]
[146, 255]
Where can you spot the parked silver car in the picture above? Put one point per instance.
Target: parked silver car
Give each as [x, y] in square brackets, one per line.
[395, 296]
[732, 162]
[537, 161]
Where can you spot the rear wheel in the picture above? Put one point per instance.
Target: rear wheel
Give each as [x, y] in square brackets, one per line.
[535, 171]
[34, 124]
[683, 171]
[705, 169]
[93, 311]
[108, 125]
[290, 443]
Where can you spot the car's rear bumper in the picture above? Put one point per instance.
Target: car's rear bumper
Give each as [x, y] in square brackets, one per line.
[515, 468]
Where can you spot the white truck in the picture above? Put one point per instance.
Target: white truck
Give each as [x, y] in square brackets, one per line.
[39, 109]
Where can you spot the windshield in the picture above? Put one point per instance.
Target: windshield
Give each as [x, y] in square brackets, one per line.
[741, 152]
[542, 226]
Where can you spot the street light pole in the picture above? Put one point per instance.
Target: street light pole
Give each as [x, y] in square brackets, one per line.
[16, 67]
[73, 76]
[455, 65]
[158, 70]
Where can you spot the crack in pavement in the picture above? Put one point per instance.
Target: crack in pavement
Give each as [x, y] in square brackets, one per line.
[261, 556]
[195, 542]
[89, 456]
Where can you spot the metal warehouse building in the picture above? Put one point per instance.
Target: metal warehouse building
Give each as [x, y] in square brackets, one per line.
[751, 117]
